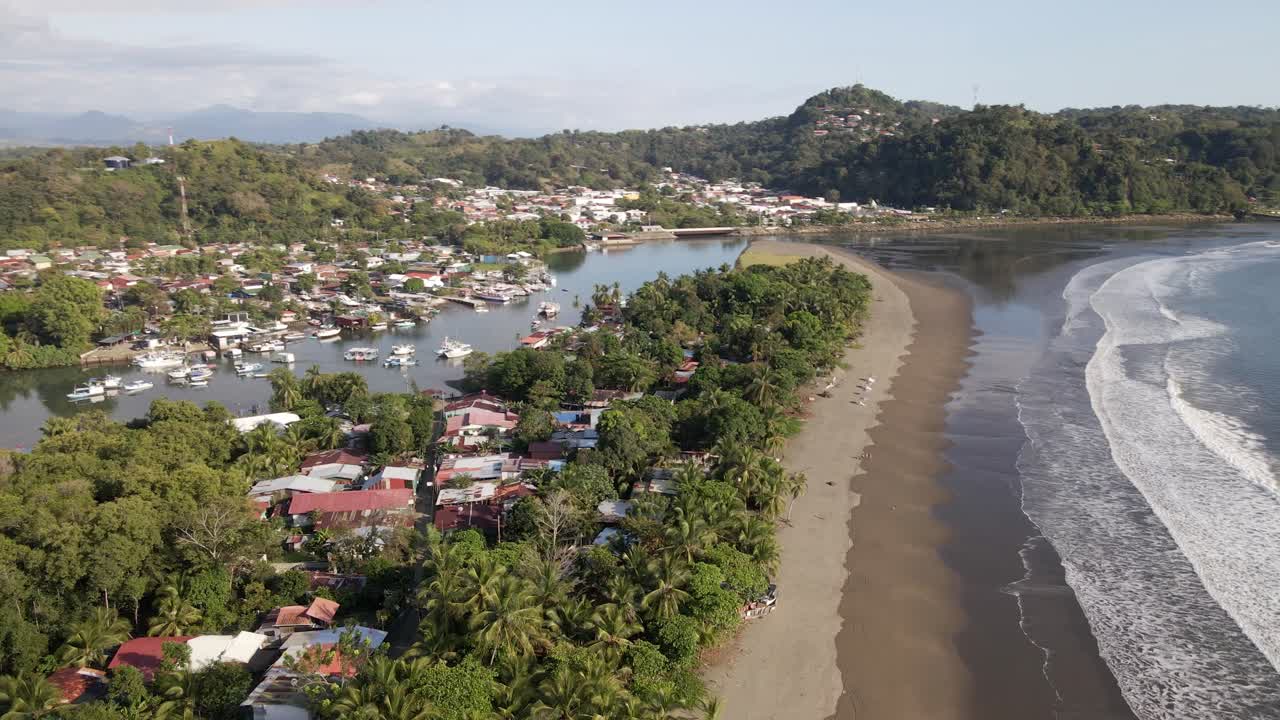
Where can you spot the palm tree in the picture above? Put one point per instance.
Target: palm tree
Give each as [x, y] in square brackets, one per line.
[90, 638]
[756, 538]
[313, 384]
[548, 584]
[614, 630]
[763, 388]
[286, 391]
[794, 486]
[483, 578]
[28, 695]
[669, 574]
[560, 696]
[570, 617]
[296, 441]
[509, 621]
[174, 615]
[712, 709]
[688, 535]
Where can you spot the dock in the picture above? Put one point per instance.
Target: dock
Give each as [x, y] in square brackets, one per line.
[469, 302]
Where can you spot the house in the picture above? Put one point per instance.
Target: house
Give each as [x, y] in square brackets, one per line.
[79, 684]
[611, 512]
[473, 426]
[604, 398]
[394, 477]
[657, 480]
[291, 485]
[144, 653]
[342, 465]
[280, 695]
[117, 162]
[242, 648]
[476, 401]
[285, 621]
[547, 450]
[478, 467]
[481, 505]
[354, 508]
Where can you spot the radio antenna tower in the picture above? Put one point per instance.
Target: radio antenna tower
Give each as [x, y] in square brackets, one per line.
[182, 189]
[975, 95]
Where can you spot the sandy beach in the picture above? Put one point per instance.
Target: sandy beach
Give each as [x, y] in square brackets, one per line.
[867, 608]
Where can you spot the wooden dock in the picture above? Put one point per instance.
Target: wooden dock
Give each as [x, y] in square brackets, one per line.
[469, 302]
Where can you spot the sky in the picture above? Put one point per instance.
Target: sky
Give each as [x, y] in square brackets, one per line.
[525, 67]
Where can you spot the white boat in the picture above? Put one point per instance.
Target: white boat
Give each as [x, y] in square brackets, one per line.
[325, 333]
[199, 383]
[285, 357]
[361, 353]
[453, 349]
[262, 375]
[108, 382]
[179, 373]
[138, 386]
[262, 347]
[378, 326]
[233, 353]
[548, 309]
[405, 324]
[159, 360]
[86, 391]
[295, 336]
[199, 373]
[249, 369]
[399, 361]
[403, 349]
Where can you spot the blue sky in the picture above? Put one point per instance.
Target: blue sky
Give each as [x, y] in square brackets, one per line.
[568, 63]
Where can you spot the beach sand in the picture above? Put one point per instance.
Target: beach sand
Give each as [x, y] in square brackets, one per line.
[867, 608]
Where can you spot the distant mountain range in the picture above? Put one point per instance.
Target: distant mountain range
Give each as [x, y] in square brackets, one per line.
[219, 121]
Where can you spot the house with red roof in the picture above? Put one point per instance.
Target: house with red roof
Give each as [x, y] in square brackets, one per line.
[76, 684]
[353, 508]
[285, 621]
[144, 653]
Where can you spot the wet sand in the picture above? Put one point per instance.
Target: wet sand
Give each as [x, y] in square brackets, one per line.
[867, 609]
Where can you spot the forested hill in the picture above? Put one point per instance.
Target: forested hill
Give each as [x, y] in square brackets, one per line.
[862, 144]
[854, 144]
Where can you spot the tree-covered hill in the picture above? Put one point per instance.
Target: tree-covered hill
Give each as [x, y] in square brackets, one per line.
[853, 143]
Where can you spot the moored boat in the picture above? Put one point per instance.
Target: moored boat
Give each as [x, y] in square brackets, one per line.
[286, 358]
[403, 349]
[361, 353]
[86, 391]
[453, 349]
[138, 386]
[325, 333]
[159, 360]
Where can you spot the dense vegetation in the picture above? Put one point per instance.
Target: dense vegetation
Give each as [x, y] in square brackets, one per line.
[51, 325]
[103, 526]
[1075, 162]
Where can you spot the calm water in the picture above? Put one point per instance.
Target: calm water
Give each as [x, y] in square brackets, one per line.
[1115, 520]
[28, 398]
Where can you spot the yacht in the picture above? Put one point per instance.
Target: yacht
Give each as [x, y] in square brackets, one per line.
[199, 372]
[86, 391]
[249, 369]
[361, 353]
[454, 349]
[138, 386]
[400, 361]
[261, 347]
[325, 333]
[179, 373]
[492, 295]
[403, 349]
[158, 360]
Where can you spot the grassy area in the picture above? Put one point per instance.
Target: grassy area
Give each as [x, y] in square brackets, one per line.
[754, 257]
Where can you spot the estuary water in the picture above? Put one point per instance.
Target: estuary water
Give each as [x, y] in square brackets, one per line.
[27, 398]
[1116, 510]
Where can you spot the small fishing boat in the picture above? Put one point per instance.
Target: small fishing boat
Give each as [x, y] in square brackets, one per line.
[249, 369]
[198, 383]
[233, 353]
[398, 361]
[137, 386]
[453, 349]
[361, 353]
[179, 373]
[200, 373]
[295, 336]
[261, 347]
[403, 349]
[108, 382]
[262, 375]
[86, 391]
[378, 326]
[325, 333]
[405, 324]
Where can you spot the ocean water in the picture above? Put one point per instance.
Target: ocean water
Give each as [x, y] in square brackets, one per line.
[1152, 466]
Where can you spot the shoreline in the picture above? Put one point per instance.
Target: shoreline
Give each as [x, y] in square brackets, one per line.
[931, 226]
[794, 664]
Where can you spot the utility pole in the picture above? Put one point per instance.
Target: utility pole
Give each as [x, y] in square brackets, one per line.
[182, 189]
[975, 96]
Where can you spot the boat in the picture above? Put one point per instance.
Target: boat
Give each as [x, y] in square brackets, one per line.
[179, 373]
[492, 295]
[399, 361]
[86, 391]
[199, 383]
[361, 353]
[108, 382]
[138, 386]
[199, 373]
[325, 333]
[454, 349]
[548, 309]
[482, 308]
[285, 357]
[249, 369]
[233, 353]
[158, 360]
[378, 326]
[403, 349]
[295, 336]
[405, 324]
[262, 375]
[262, 347]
